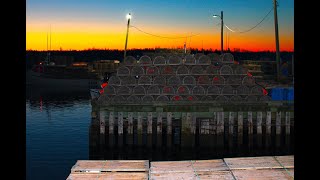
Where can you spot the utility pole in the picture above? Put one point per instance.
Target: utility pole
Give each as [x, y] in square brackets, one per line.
[125, 48]
[221, 32]
[277, 39]
[221, 17]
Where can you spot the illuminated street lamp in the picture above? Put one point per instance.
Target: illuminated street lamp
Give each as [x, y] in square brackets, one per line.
[125, 48]
[221, 17]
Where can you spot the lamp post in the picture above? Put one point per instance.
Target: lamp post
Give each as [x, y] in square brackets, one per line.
[221, 17]
[125, 47]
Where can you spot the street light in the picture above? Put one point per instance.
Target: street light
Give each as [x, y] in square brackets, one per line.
[125, 47]
[221, 17]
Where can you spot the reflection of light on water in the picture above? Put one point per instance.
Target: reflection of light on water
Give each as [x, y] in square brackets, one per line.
[41, 103]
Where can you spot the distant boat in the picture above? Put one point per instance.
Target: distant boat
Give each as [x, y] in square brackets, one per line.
[62, 77]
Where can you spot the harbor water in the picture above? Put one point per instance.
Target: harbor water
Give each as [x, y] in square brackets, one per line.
[60, 130]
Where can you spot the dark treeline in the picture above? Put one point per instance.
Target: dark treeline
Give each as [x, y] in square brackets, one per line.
[33, 57]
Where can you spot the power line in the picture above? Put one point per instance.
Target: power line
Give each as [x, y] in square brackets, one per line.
[253, 26]
[162, 36]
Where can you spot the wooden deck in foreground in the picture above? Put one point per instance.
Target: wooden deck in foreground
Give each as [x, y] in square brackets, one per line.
[262, 168]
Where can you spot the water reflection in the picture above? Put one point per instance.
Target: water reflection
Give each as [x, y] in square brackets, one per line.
[179, 138]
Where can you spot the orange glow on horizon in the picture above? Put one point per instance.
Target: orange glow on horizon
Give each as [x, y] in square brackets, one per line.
[93, 36]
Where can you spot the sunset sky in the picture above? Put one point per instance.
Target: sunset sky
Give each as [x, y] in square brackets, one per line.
[84, 24]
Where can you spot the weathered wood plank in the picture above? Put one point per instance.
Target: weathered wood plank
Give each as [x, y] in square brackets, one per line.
[169, 123]
[159, 123]
[111, 123]
[252, 162]
[97, 166]
[262, 174]
[268, 123]
[130, 122]
[278, 123]
[287, 123]
[259, 123]
[220, 123]
[149, 123]
[102, 122]
[113, 175]
[231, 122]
[120, 123]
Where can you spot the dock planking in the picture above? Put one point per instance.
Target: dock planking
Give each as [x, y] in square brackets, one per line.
[264, 167]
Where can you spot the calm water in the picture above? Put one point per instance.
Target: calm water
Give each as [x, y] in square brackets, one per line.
[60, 131]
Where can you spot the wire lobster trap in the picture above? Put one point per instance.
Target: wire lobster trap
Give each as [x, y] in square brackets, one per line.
[204, 80]
[243, 90]
[128, 81]
[124, 90]
[109, 90]
[183, 90]
[189, 80]
[227, 90]
[168, 90]
[234, 80]
[163, 98]
[197, 70]
[218, 80]
[133, 99]
[129, 61]
[152, 71]
[182, 70]
[145, 61]
[226, 70]
[213, 90]
[174, 81]
[174, 60]
[144, 80]
[139, 90]
[248, 81]
[114, 81]
[212, 70]
[168, 70]
[153, 90]
[159, 80]
[198, 90]
[190, 60]
[147, 99]
[137, 71]
[203, 60]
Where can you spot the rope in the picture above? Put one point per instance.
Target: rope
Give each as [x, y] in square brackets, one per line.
[181, 37]
[194, 170]
[283, 167]
[229, 169]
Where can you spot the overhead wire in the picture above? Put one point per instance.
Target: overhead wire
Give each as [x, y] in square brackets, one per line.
[253, 26]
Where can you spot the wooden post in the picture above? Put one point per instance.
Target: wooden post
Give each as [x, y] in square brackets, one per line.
[250, 124]
[240, 127]
[111, 123]
[120, 123]
[149, 124]
[130, 123]
[169, 129]
[231, 122]
[139, 133]
[102, 122]
[278, 123]
[139, 123]
[220, 123]
[268, 123]
[259, 123]
[287, 123]
[169, 123]
[240, 123]
[159, 123]
[213, 124]
[193, 123]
